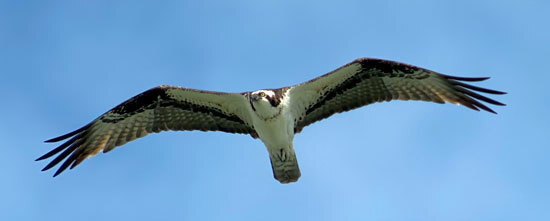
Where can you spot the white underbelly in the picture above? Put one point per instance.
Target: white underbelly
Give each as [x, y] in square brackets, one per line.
[276, 133]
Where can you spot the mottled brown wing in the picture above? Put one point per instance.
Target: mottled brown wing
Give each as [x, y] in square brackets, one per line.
[366, 80]
[158, 109]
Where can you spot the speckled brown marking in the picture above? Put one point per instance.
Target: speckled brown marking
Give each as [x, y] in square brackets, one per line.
[156, 110]
[168, 114]
[368, 85]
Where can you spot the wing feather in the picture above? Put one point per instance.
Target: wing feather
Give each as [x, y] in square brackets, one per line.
[367, 80]
[158, 109]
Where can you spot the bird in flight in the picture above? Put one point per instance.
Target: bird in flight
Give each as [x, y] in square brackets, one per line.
[272, 115]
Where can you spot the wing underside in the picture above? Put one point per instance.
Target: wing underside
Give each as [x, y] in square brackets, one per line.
[368, 80]
[158, 109]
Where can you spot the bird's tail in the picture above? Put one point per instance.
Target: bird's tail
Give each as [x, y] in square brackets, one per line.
[284, 165]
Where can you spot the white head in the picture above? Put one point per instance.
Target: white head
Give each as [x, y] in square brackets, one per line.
[266, 103]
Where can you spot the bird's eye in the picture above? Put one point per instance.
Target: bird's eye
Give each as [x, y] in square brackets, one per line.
[262, 94]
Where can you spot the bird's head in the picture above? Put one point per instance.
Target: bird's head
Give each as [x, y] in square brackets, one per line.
[266, 103]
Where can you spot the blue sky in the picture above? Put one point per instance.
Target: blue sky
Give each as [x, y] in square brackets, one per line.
[63, 63]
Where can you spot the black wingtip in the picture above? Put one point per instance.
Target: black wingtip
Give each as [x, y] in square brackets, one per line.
[53, 140]
[40, 158]
[57, 173]
[75, 163]
[47, 167]
[465, 78]
[65, 136]
[62, 137]
[482, 106]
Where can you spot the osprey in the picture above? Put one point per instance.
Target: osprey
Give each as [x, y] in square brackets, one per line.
[272, 115]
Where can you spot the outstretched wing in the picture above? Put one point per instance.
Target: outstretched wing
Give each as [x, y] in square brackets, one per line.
[158, 109]
[367, 80]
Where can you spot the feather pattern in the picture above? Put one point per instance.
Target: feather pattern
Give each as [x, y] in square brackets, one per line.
[158, 109]
[368, 80]
[266, 114]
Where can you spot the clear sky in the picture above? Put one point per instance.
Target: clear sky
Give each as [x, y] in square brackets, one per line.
[63, 63]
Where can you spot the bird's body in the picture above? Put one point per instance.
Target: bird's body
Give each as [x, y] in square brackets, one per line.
[275, 127]
[272, 115]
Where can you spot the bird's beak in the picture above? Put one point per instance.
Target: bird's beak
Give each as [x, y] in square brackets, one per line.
[255, 97]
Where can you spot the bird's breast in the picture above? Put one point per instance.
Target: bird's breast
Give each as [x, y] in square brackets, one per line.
[275, 132]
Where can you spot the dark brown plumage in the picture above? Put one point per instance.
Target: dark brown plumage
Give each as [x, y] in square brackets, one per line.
[152, 111]
[376, 80]
[356, 84]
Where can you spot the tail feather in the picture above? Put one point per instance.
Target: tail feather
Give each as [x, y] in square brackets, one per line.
[285, 168]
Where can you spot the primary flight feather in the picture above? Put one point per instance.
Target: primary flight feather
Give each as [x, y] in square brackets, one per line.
[273, 115]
